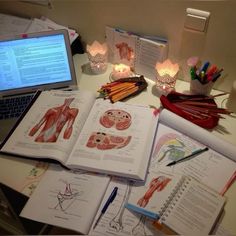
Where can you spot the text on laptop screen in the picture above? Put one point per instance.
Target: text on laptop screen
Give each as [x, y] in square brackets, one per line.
[33, 61]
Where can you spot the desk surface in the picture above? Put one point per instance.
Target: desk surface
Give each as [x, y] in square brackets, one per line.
[23, 175]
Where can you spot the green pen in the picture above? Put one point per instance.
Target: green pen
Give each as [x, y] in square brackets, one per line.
[192, 73]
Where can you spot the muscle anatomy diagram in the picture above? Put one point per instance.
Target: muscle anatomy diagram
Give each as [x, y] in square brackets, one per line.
[125, 52]
[105, 141]
[53, 122]
[120, 119]
[156, 185]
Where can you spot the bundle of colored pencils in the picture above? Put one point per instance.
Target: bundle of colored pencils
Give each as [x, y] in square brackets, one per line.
[123, 88]
[199, 109]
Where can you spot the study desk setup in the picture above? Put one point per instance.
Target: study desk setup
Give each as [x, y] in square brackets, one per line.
[23, 175]
[91, 163]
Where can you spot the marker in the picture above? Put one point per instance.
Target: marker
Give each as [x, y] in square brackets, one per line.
[205, 66]
[197, 152]
[107, 204]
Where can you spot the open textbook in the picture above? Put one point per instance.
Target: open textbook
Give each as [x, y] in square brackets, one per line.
[176, 137]
[80, 132]
[181, 203]
[139, 52]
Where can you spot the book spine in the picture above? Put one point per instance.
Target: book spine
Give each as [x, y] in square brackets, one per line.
[173, 198]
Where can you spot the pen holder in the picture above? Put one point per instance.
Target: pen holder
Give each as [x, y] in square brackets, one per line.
[197, 88]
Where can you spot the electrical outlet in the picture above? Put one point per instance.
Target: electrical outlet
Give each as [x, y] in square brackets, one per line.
[196, 20]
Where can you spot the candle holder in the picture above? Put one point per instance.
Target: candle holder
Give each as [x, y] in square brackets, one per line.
[120, 71]
[97, 55]
[166, 76]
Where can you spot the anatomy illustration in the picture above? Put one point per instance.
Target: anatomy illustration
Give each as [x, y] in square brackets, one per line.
[66, 198]
[170, 147]
[125, 52]
[104, 141]
[54, 120]
[118, 118]
[139, 228]
[156, 185]
[116, 223]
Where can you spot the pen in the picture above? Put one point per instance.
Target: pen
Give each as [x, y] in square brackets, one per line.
[205, 66]
[108, 202]
[197, 152]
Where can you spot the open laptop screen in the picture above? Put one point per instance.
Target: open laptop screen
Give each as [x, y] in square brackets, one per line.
[35, 61]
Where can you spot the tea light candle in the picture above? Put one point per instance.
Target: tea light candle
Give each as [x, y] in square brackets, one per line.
[166, 76]
[97, 54]
[120, 71]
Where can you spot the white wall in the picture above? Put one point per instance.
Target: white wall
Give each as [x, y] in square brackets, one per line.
[156, 17]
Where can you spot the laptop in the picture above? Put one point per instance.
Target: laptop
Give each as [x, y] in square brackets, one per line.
[31, 62]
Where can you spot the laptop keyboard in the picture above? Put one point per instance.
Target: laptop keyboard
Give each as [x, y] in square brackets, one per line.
[13, 107]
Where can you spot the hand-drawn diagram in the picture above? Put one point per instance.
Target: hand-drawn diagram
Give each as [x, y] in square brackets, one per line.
[116, 223]
[121, 221]
[66, 198]
[105, 141]
[54, 120]
[157, 184]
[139, 228]
[125, 52]
[118, 118]
[171, 147]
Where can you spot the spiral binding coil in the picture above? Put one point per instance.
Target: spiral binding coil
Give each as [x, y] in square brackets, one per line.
[173, 198]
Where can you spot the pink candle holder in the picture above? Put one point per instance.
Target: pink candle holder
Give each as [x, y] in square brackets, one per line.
[166, 77]
[97, 55]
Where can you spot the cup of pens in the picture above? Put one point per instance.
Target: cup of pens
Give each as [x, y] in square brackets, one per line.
[203, 76]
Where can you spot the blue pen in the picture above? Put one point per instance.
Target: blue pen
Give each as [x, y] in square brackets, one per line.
[108, 202]
[205, 66]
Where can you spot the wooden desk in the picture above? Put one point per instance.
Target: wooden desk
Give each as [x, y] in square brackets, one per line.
[17, 173]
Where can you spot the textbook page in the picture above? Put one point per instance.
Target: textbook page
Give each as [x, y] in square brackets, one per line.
[118, 220]
[210, 167]
[66, 199]
[122, 46]
[148, 53]
[51, 126]
[116, 139]
[149, 198]
[199, 134]
[194, 210]
[139, 52]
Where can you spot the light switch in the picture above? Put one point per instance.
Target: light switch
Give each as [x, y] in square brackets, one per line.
[196, 20]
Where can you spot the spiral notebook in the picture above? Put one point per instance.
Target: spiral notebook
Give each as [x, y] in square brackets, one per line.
[139, 52]
[181, 203]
